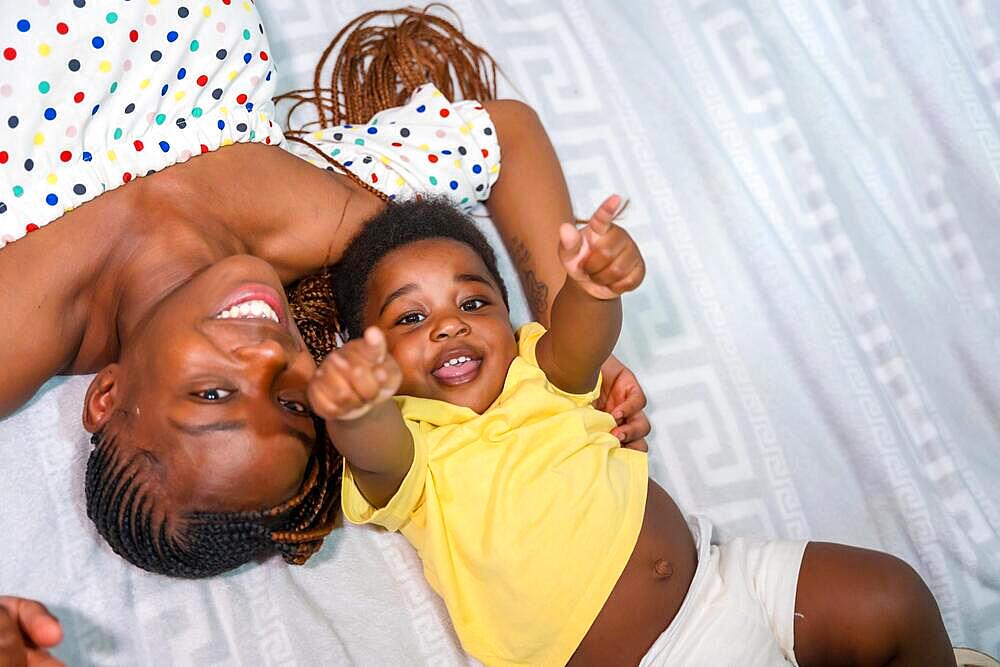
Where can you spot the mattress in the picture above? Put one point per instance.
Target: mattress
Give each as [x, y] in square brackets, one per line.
[815, 189]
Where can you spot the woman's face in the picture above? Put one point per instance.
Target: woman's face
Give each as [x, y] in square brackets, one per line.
[213, 386]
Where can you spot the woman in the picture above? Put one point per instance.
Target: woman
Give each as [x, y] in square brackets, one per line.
[170, 281]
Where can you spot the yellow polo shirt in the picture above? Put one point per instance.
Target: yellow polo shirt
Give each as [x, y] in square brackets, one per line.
[524, 516]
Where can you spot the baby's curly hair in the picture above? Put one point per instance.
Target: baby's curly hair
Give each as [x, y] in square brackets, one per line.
[398, 225]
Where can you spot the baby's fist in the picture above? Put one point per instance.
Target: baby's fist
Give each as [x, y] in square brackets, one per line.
[601, 257]
[355, 378]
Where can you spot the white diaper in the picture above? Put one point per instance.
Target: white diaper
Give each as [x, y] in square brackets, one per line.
[740, 609]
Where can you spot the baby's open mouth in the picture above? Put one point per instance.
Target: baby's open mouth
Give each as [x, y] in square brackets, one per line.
[457, 370]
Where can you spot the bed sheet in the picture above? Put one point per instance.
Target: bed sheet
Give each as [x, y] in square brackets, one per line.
[815, 188]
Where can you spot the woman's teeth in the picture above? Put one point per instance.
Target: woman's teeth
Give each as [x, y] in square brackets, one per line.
[249, 310]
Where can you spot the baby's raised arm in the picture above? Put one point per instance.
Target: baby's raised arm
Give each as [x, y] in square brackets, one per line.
[602, 263]
[352, 391]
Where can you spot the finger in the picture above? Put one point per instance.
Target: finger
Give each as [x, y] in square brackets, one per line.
[638, 445]
[360, 356]
[376, 344]
[611, 369]
[322, 399]
[12, 651]
[393, 377]
[620, 268]
[631, 281]
[570, 245]
[330, 394]
[38, 624]
[605, 214]
[601, 402]
[625, 201]
[604, 250]
[42, 658]
[634, 428]
[624, 403]
[370, 380]
[365, 383]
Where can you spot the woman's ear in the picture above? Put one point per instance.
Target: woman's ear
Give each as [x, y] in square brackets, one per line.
[102, 396]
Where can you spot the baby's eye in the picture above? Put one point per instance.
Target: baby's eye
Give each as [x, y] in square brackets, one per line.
[213, 395]
[295, 406]
[473, 304]
[410, 318]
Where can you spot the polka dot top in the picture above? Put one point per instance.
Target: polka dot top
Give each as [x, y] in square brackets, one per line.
[429, 145]
[94, 94]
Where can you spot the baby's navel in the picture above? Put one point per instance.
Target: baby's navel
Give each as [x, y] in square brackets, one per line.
[663, 569]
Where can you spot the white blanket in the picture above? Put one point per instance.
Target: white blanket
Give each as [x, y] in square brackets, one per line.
[815, 188]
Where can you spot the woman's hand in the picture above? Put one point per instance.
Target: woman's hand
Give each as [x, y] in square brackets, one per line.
[27, 629]
[623, 398]
[354, 378]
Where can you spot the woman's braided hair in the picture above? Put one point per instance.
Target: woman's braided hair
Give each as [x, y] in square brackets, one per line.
[378, 66]
[120, 503]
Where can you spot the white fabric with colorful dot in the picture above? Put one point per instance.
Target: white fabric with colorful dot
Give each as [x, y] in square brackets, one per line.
[427, 146]
[94, 94]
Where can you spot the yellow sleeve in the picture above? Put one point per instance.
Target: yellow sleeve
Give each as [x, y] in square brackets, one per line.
[527, 339]
[401, 506]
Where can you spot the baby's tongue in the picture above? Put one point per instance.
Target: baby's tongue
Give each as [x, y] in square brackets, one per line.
[448, 372]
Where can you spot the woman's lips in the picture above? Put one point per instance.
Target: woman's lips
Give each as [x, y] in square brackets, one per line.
[257, 292]
[460, 373]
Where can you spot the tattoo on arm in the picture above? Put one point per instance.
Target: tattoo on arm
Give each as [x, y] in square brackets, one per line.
[535, 291]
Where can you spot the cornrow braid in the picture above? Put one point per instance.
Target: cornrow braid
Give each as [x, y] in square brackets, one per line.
[121, 505]
[310, 301]
[379, 66]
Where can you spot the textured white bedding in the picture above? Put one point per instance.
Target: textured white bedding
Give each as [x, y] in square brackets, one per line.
[815, 187]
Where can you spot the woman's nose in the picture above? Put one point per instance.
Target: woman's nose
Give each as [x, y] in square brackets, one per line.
[268, 353]
[449, 327]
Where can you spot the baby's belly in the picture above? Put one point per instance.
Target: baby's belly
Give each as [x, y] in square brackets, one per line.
[648, 593]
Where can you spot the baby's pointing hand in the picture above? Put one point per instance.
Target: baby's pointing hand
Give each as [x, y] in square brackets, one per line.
[355, 378]
[601, 257]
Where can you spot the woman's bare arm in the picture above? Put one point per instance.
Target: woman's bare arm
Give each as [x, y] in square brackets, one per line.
[529, 202]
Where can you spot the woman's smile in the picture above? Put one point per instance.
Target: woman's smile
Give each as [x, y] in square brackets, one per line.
[253, 301]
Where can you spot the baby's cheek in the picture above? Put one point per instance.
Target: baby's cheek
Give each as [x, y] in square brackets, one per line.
[416, 382]
[413, 380]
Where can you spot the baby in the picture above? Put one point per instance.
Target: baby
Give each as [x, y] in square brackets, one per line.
[546, 539]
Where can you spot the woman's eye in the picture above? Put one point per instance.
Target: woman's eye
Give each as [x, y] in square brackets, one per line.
[213, 395]
[473, 304]
[296, 407]
[410, 318]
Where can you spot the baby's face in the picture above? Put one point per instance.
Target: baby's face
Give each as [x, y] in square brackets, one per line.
[444, 320]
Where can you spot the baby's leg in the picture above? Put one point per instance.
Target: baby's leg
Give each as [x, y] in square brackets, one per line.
[860, 607]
